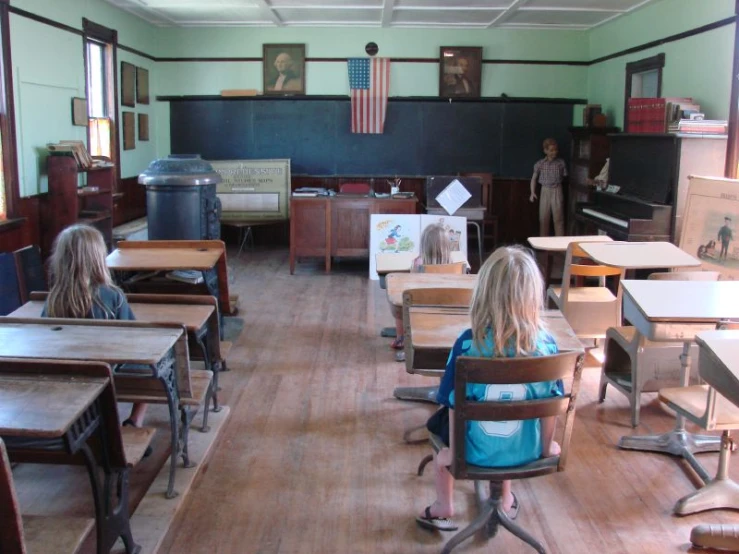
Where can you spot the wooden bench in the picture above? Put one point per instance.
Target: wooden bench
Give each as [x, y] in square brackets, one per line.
[94, 438]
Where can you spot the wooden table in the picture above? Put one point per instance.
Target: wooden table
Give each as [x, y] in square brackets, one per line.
[639, 255]
[48, 414]
[112, 342]
[677, 311]
[399, 282]
[558, 245]
[401, 262]
[435, 329]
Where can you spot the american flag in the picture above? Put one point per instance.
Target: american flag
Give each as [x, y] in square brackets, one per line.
[369, 81]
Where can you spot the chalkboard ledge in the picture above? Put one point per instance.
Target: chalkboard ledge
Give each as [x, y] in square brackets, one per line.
[392, 99]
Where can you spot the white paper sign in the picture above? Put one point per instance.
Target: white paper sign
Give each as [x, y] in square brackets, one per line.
[453, 196]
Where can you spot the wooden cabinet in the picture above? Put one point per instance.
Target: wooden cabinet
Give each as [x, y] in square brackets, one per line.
[68, 203]
[589, 150]
[337, 226]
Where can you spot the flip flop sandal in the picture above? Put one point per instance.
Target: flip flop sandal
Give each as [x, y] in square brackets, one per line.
[427, 521]
[513, 512]
[400, 356]
[397, 344]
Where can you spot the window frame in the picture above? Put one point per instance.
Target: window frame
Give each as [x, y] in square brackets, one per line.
[92, 31]
[640, 66]
[732, 147]
[7, 123]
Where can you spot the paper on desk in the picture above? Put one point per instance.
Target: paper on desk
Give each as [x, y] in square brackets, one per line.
[453, 196]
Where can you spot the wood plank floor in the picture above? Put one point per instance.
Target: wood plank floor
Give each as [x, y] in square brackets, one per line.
[312, 459]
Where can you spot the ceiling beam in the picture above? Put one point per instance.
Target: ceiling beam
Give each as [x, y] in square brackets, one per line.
[507, 14]
[387, 13]
[269, 13]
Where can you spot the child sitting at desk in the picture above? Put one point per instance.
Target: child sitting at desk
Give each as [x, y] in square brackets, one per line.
[82, 287]
[505, 313]
[436, 248]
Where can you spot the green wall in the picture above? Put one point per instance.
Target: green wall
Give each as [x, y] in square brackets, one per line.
[699, 66]
[48, 65]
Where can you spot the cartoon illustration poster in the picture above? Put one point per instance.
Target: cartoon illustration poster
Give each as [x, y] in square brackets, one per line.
[393, 234]
[710, 230]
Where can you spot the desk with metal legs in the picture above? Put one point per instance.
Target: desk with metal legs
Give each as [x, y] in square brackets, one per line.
[672, 311]
[554, 245]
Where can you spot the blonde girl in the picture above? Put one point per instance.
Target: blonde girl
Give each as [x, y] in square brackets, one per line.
[436, 248]
[82, 287]
[506, 320]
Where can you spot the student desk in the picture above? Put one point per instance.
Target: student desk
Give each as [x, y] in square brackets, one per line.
[399, 282]
[44, 414]
[552, 245]
[161, 349]
[435, 329]
[673, 311]
[208, 257]
[198, 319]
[639, 255]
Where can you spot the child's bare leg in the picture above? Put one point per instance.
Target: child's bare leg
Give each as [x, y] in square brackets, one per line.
[443, 506]
[507, 496]
[398, 333]
[138, 411]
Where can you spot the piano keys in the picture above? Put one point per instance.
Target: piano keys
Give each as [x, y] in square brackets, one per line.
[627, 218]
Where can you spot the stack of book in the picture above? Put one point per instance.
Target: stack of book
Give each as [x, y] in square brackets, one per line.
[74, 148]
[700, 127]
[657, 115]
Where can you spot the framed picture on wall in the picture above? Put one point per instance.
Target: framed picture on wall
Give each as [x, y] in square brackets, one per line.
[283, 67]
[129, 130]
[128, 84]
[142, 85]
[460, 71]
[143, 126]
[79, 112]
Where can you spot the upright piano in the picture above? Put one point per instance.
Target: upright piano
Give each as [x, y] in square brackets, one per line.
[643, 170]
[651, 171]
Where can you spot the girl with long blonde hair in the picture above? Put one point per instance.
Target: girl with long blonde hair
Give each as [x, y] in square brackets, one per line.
[505, 313]
[81, 286]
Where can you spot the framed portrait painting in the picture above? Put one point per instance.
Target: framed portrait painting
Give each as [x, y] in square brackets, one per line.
[142, 85]
[128, 84]
[284, 68]
[460, 71]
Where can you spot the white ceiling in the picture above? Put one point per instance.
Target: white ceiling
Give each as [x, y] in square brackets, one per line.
[465, 14]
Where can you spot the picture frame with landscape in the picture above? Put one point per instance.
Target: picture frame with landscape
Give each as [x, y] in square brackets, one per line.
[283, 67]
[460, 71]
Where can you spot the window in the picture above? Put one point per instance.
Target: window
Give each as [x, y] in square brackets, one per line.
[100, 76]
[643, 80]
[8, 163]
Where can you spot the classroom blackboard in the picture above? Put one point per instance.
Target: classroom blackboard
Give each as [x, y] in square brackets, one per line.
[422, 136]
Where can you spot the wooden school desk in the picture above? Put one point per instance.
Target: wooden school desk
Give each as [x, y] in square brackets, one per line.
[206, 256]
[44, 415]
[163, 349]
[435, 329]
[554, 245]
[200, 321]
[402, 262]
[672, 311]
[399, 282]
[639, 255]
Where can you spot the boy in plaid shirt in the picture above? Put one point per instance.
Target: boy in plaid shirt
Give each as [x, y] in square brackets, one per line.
[549, 172]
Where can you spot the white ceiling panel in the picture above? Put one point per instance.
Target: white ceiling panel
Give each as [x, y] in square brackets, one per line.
[473, 14]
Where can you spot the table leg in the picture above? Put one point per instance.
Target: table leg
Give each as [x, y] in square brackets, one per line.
[245, 232]
[166, 372]
[548, 271]
[677, 442]
[417, 394]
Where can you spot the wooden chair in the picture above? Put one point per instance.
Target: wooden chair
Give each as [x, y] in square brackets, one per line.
[354, 188]
[634, 365]
[457, 268]
[443, 298]
[31, 271]
[63, 535]
[118, 448]
[590, 310]
[507, 371]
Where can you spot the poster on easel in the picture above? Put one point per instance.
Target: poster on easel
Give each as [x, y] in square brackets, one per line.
[401, 234]
[710, 224]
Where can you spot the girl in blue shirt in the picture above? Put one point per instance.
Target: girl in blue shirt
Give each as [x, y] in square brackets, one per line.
[82, 286]
[505, 313]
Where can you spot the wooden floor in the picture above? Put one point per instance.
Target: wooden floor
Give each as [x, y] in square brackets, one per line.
[312, 459]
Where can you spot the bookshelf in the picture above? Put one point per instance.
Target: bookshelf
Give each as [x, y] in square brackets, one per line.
[68, 203]
[590, 148]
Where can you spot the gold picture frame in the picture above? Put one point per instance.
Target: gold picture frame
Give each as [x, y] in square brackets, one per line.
[283, 67]
[142, 85]
[460, 71]
[129, 131]
[143, 126]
